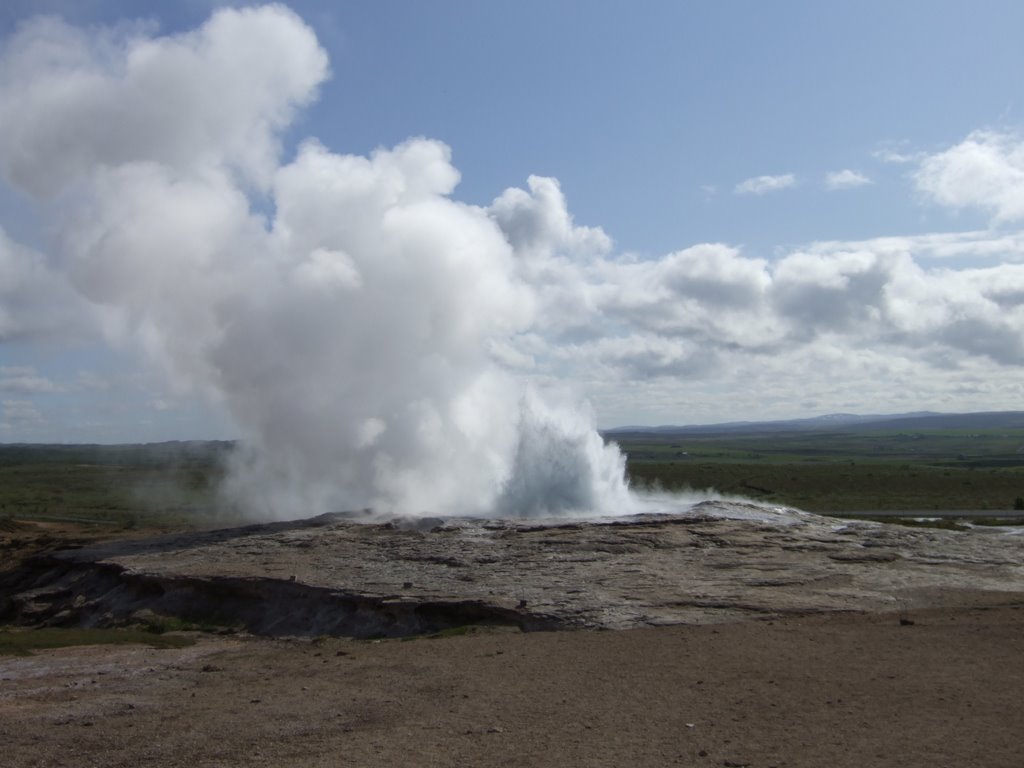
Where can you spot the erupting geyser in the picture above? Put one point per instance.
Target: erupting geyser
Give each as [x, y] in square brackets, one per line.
[361, 334]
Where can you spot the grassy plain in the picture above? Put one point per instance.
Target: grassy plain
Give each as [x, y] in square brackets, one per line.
[840, 471]
[125, 486]
[174, 485]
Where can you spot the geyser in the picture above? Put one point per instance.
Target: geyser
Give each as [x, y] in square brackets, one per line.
[360, 334]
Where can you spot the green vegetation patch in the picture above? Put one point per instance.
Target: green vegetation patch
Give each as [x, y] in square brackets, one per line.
[129, 486]
[842, 486]
[458, 631]
[840, 471]
[21, 642]
[160, 624]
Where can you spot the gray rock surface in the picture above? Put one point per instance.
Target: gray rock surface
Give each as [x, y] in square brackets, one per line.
[720, 561]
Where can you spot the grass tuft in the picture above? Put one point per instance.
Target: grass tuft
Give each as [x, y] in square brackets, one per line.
[21, 642]
[463, 629]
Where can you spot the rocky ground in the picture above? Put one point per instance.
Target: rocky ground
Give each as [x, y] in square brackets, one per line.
[330, 575]
[784, 640]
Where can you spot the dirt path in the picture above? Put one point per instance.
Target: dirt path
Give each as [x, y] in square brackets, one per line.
[839, 691]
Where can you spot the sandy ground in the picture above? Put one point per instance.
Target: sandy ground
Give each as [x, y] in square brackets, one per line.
[841, 690]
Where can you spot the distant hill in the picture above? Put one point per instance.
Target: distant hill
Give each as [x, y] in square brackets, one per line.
[843, 422]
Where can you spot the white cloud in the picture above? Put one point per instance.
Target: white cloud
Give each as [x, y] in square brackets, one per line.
[977, 244]
[708, 293]
[538, 220]
[760, 185]
[696, 315]
[846, 179]
[35, 300]
[93, 381]
[18, 413]
[74, 99]
[643, 356]
[896, 157]
[985, 170]
[700, 311]
[24, 380]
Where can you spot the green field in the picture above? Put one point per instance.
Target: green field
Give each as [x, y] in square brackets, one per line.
[160, 485]
[843, 470]
[840, 471]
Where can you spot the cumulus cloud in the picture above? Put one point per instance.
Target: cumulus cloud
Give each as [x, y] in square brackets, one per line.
[75, 99]
[985, 170]
[703, 311]
[836, 293]
[700, 311]
[846, 179]
[708, 292]
[538, 222]
[697, 311]
[644, 356]
[761, 185]
[975, 245]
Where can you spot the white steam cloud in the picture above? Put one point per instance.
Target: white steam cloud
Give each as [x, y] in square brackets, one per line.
[353, 336]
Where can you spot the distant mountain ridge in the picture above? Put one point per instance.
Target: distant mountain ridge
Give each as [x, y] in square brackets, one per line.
[844, 422]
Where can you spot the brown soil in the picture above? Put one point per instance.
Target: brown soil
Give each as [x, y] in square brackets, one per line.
[855, 690]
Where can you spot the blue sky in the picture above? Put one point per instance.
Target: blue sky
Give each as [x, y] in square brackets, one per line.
[657, 120]
[636, 113]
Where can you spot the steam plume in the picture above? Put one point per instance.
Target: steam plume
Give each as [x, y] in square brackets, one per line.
[356, 335]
